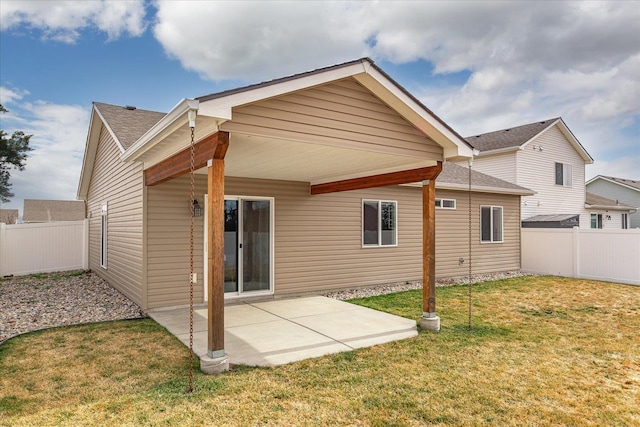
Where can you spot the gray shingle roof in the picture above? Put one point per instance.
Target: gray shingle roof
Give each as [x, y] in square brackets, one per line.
[8, 216]
[128, 124]
[629, 182]
[596, 200]
[505, 138]
[459, 176]
[550, 218]
[53, 210]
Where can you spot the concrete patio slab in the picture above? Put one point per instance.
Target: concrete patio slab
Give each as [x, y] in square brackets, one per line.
[282, 331]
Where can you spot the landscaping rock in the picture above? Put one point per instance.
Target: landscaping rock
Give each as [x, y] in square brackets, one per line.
[372, 291]
[39, 301]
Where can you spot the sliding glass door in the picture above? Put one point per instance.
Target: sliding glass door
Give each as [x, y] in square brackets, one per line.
[248, 246]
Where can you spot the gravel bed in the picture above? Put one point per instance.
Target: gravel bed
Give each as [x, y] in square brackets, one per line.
[373, 291]
[40, 301]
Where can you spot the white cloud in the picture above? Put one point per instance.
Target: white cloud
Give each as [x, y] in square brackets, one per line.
[53, 167]
[62, 20]
[9, 95]
[259, 40]
[623, 167]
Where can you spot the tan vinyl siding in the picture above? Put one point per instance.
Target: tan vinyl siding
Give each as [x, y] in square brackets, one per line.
[452, 235]
[318, 238]
[168, 221]
[342, 114]
[119, 185]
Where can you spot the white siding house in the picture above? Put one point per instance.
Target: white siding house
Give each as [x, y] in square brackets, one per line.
[543, 156]
[620, 190]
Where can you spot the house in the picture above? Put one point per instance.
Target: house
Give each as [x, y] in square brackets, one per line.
[53, 210]
[624, 191]
[545, 157]
[9, 216]
[607, 213]
[309, 171]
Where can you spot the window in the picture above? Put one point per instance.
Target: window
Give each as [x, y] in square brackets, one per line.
[563, 174]
[445, 204]
[103, 237]
[491, 224]
[379, 220]
[596, 220]
[625, 221]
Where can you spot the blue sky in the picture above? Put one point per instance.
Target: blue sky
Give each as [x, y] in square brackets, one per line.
[480, 66]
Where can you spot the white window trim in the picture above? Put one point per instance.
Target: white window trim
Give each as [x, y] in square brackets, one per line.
[564, 180]
[443, 207]
[104, 224]
[491, 224]
[624, 219]
[601, 221]
[379, 244]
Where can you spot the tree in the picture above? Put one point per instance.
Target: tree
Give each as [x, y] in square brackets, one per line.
[13, 155]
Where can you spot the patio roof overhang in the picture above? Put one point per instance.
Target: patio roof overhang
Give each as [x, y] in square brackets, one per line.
[229, 144]
[299, 156]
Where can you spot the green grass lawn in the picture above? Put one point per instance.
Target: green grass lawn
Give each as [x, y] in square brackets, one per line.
[542, 351]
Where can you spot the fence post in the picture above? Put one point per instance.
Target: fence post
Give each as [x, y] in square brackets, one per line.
[85, 244]
[576, 252]
[3, 255]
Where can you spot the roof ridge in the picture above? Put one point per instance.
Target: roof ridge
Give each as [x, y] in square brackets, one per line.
[277, 80]
[552, 120]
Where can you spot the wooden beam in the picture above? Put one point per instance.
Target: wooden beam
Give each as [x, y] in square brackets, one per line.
[429, 247]
[212, 147]
[215, 276]
[391, 178]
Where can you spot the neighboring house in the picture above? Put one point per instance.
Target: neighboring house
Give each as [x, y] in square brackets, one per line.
[607, 213]
[9, 216]
[546, 158]
[624, 191]
[53, 210]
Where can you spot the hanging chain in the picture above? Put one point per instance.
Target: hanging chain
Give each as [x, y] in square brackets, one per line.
[469, 245]
[191, 199]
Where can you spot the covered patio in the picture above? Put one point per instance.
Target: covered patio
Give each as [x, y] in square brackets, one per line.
[340, 129]
[272, 333]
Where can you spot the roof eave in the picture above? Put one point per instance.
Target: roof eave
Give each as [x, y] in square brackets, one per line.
[88, 159]
[499, 151]
[612, 181]
[611, 207]
[477, 188]
[174, 119]
[366, 73]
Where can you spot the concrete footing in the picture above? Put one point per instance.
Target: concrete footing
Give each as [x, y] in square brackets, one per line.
[214, 365]
[431, 323]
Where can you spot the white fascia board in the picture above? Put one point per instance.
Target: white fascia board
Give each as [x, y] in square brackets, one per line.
[387, 91]
[611, 208]
[222, 107]
[484, 189]
[475, 188]
[173, 120]
[90, 150]
[498, 151]
[612, 182]
[113, 134]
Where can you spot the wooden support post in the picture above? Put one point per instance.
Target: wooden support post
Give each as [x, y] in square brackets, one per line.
[429, 320]
[215, 277]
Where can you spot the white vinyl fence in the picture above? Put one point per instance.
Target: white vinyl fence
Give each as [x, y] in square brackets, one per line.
[41, 248]
[610, 255]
